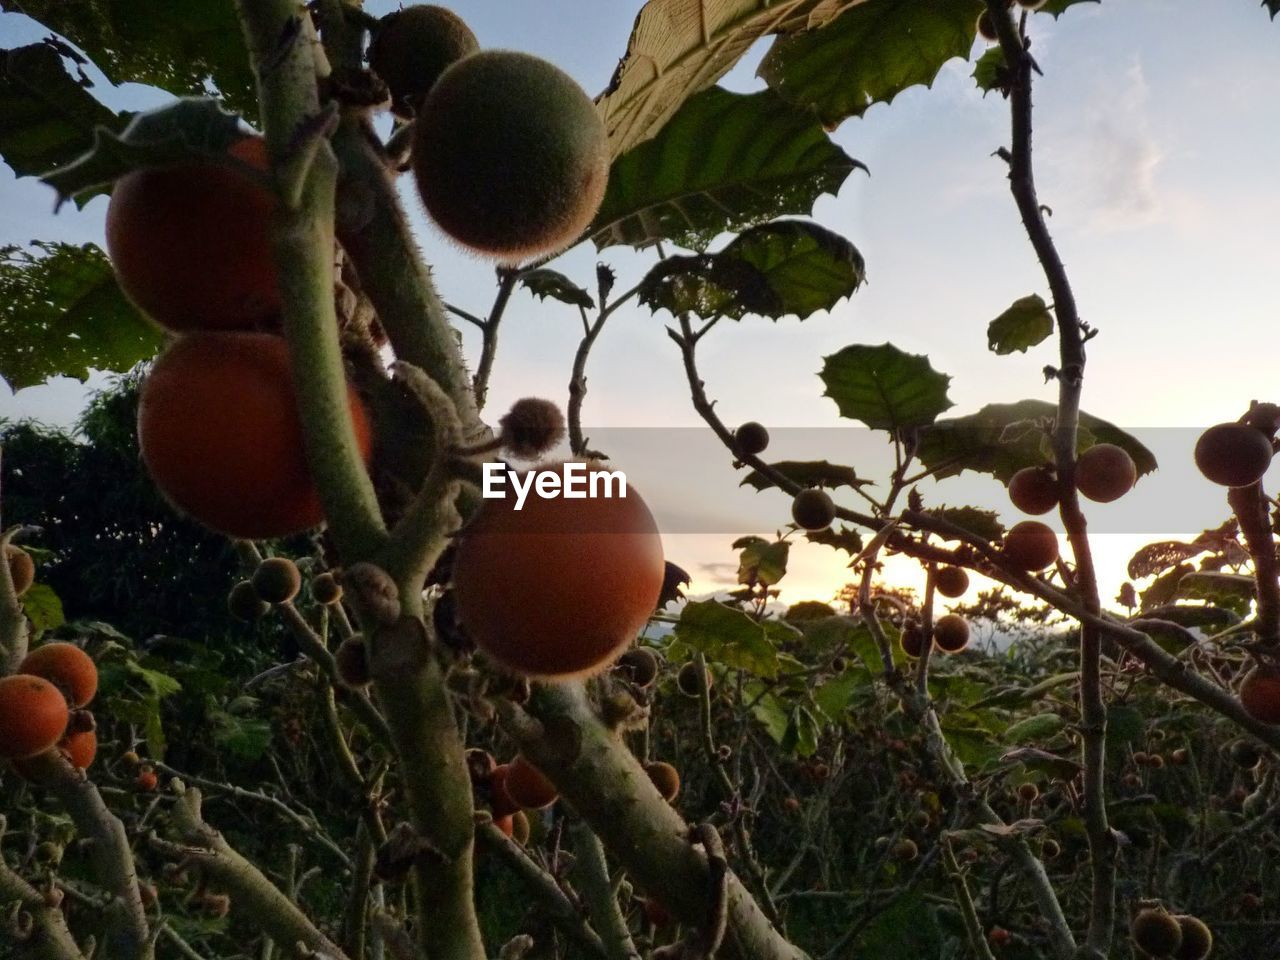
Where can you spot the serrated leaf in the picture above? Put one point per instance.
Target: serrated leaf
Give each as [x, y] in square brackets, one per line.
[160, 684]
[834, 696]
[763, 562]
[678, 48]
[1232, 590]
[846, 538]
[989, 70]
[543, 283]
[183, 48]
[809, 267]
[974, 442]
[869, 54]
[191, 128]
[1025, 324]
[725, 162]
[1156, 557]
[1032, 729]
[983, 523]
[62, 314]
[884, 387]
[47, 117]
[807, 473]
[1272, 7]
[43, 607]
[772, 715]
[728, 636]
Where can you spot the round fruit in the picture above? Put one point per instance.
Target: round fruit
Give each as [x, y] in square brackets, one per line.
[999, 937]
[500, 802]
[67, 667]
[912, 641]
[528, 786]
[147, 780]
[693, 679]
[905, 850]
[511, 155]
[411, 48]
[325, 589]
[951, 581]
[245, 604]
[22, 570]
[1030, 545]
[560, 587]
[531, 427]
[951, 633]
[1028, 792]
[813, 509]
[641, 665]
[220, 434]
[520, 828]
[80, 748]
[352, 658]
[1260, 694]
[1233, 454]
[1155, 932]
[1105, 472]
[751, 438]
[665, 777]
[1050, 849]
[1180, 757]
[33, 716]
[791, 805]
[191, 243]
[277, 580]
[1033, 490]
[506, 824]
[986, 27]
[1197, 938]
[480, 765]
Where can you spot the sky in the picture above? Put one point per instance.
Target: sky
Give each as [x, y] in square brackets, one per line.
[1156, 138]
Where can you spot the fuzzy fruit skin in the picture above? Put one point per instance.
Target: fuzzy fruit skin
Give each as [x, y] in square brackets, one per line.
[905, 850]
[1260, 695]
[22, 569]
[1156, 932]
[244, 603]
[912, 642]
[67, 667]
[500, 801]
[510, 155]
[412, 47]
[1033, 490]
[221, 437]
[751, 438]
[951, 633]
[520, 827]
[1197, 938]
[147, 781]
[33, 716]
[561, 587]
[277, 580]
[641, 665]
[80, 748]
[1233, 454]
[692, 679]
[506, 824]
[325, 589]
[528, 786]
[191, 246]
[986, 27]
[813, 509]
[352, 659]
[1030, 545]
[665, 777]
[1105, 472]
[951, 582]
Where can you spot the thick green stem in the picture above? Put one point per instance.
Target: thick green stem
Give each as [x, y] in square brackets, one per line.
[598, 893]
[287, 58]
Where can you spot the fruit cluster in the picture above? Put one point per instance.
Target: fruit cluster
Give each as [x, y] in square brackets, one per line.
[42, 707]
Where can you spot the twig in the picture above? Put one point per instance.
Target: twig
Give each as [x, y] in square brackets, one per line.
[507, 280]
[597, 893]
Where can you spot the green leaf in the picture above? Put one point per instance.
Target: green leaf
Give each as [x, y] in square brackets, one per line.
[1125, 724]
[1034, 729]
[543, 283]
[1272, 6]
[834, 696]
[160, 684]
[846, 538]
[192, 128]
[802, 733]
[763, 562]
[989, 71]
[179, 47]
[808, 473]
[728, 636]
[43, 607]
[984, 523]
[1025, 324]
[869, 54]
[1058, 7]
[998, 441]
[676, 50]
[725, 162]
[62, 314]
[772, 715]
[245, 737]
[808, 267]
[884, 387]
[47, 117]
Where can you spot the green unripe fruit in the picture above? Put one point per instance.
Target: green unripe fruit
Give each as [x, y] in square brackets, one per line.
[1197, 938]
[510, 155]
[951, 581]
[1156, 933]
[49, 852]
[751, 438]
[411, 48]
[353, 662]
[245, 604]
[277, 580]
[325, 589]
[813, 509]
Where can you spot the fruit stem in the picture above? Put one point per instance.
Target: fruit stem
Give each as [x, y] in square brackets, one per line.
[287, 59]
[1251, 509]
[507, 280]
[972, 925]
[597, 890]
